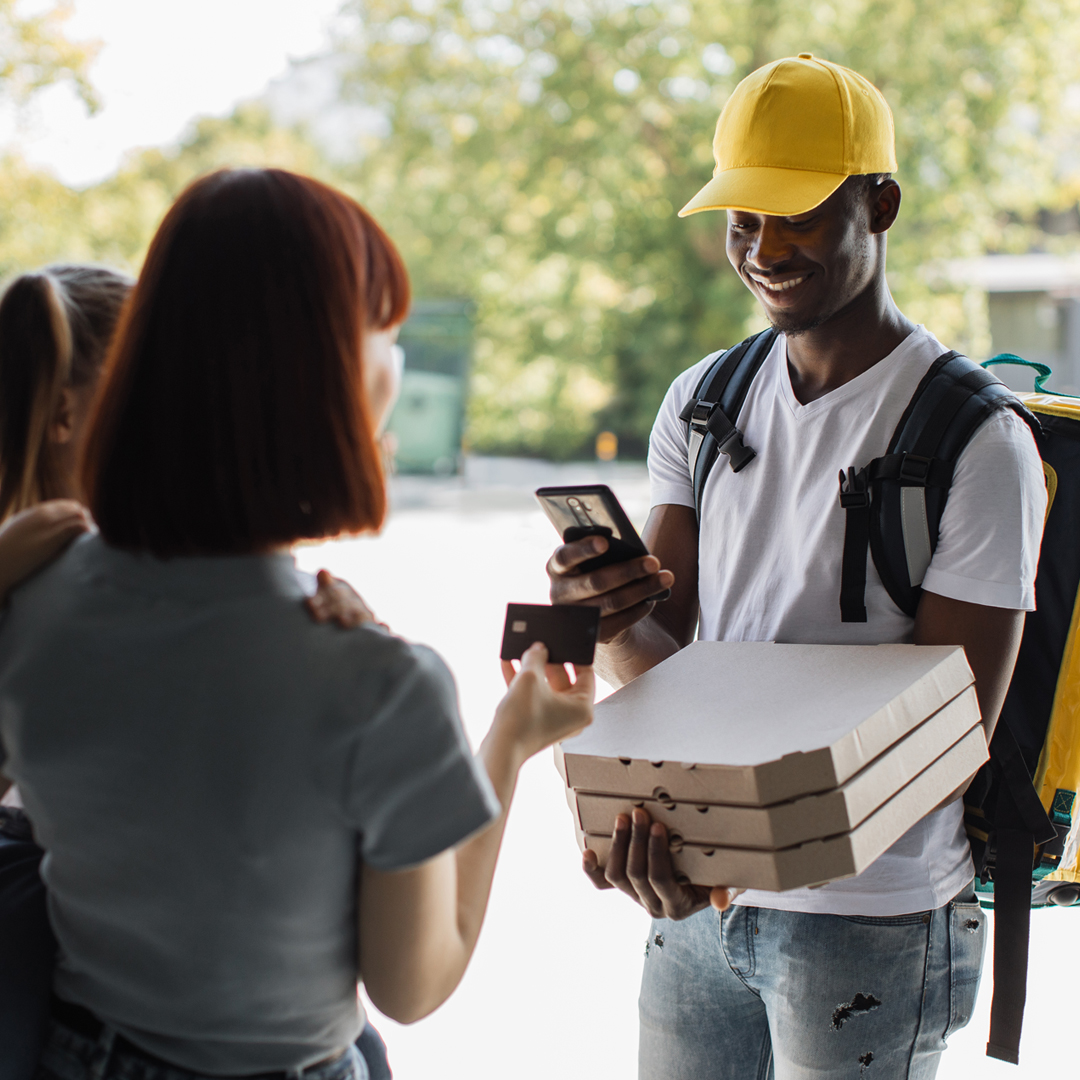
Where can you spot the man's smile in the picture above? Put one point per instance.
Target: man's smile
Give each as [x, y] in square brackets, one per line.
[775, 286]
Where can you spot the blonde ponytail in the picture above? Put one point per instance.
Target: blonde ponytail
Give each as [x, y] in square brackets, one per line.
[55, 327]
[35, 366]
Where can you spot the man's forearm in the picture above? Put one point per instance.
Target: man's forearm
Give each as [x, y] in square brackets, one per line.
[634, 651]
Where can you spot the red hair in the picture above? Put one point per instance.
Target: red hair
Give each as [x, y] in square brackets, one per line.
[232, 415]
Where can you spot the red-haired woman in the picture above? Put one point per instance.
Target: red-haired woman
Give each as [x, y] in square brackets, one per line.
[55, 327]
[244, 811]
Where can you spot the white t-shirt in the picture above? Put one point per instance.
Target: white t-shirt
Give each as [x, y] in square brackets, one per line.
[770, 548]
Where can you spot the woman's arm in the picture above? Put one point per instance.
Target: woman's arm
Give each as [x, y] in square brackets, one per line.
[418, 927]
[31, 538]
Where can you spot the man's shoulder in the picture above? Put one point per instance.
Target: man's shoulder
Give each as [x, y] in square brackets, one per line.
[686, 382]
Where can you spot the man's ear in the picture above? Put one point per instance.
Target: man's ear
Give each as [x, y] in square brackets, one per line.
[884, 205]
[62, 425]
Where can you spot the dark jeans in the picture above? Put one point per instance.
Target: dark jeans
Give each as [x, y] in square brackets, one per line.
[28, 952]
[27, 949]
[71, 1056]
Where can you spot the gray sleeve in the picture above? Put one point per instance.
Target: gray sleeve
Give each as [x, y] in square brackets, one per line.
[414, 788]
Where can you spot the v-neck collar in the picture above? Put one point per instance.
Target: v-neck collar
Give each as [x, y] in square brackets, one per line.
[865, 381]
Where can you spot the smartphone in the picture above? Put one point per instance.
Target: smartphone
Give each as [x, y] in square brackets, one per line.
[568, 631]
[592, 510]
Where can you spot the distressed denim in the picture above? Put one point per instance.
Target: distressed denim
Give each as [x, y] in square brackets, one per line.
[68, 1056]
[758, 994]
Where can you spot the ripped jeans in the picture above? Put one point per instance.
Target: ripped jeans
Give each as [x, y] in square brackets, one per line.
[758, 994]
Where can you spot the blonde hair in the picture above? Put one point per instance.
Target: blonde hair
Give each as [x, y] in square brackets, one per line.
[55, 327]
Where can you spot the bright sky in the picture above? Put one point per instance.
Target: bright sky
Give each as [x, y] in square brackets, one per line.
[162, 63]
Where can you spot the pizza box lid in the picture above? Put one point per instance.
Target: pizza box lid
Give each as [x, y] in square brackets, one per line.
[756, 723]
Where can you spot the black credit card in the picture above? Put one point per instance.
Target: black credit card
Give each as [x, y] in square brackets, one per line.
[568, 631]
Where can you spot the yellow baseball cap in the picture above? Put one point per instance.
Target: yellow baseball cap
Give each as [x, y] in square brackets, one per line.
[791, 133]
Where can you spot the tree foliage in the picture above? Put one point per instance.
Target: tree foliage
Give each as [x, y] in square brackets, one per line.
[536, 153]
[532, 155]
[35, 52]
[43, 221]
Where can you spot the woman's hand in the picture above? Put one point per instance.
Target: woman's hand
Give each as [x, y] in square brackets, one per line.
[337, 601]
[34, 537]
[542, 706]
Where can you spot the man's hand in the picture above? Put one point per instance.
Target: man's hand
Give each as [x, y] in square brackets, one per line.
[34, 537]
[621, 590]
[337, 601]
[640, 866]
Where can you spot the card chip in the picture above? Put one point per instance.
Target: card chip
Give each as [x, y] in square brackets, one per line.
[519, 626]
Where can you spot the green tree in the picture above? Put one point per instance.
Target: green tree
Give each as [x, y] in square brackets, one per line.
[535, 155]
[532, 155]
[37, 213]
[43, 221]
[35, 53]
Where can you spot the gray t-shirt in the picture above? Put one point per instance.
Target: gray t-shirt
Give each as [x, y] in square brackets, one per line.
[205, 767]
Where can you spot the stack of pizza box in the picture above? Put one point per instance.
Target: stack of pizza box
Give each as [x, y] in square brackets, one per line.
[777, 766]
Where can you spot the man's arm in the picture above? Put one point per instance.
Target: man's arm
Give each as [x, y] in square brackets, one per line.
[636, 633]
[990, 637]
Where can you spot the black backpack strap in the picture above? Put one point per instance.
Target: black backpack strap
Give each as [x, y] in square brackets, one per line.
[1021, 824]
[713, 411]
[906, 489]
[1012, 925]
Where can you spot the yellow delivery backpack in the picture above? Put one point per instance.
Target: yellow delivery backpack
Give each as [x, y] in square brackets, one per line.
[1038, 733]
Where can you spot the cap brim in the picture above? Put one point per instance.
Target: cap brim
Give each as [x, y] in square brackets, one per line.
[765, 189]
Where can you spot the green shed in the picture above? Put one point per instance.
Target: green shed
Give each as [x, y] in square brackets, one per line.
[428, 420]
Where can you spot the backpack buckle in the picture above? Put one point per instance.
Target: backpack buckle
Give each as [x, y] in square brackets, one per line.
[856, 496]
[700, 413]
[915, 470]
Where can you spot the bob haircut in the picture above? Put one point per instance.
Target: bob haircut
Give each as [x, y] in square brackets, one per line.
[231, 416]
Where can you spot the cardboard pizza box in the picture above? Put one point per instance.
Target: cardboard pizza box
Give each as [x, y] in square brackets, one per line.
[821, 861]
[808, 818]
[753, 723]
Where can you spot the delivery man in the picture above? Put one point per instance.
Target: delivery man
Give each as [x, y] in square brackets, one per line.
[868, 976]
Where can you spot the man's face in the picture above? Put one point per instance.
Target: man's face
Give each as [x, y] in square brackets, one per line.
[806, 268]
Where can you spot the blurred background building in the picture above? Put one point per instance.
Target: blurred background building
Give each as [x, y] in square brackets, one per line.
[428, 421]
[1033, 310]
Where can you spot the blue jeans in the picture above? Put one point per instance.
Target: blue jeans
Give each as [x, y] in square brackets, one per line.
[758, 994]
[68, 1056]
[28, 953]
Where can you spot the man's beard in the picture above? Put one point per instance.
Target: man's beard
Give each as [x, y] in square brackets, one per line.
[793, 327]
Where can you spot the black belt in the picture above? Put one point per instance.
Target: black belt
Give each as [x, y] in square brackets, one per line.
[83, 1022]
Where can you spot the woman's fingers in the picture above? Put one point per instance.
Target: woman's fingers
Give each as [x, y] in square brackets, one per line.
[585, 681]
[337, 601]
[557, 678]
[508, 671]
[534, 658]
